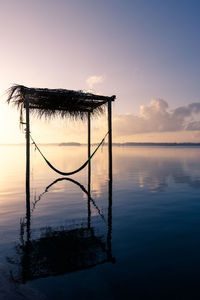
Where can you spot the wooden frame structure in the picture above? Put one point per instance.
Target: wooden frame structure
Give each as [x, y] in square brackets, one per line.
[65, 103]
[62, 103]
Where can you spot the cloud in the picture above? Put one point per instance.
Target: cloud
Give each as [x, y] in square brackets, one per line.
[156, 117]
[93, 80]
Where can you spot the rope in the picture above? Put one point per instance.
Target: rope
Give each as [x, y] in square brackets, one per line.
[75, 171]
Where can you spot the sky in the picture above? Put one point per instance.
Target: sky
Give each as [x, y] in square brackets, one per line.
[146, 52]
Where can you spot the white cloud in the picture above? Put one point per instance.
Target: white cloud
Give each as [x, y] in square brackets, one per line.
[93, 80]
[156, 117]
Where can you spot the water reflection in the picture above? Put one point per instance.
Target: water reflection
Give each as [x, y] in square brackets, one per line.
[90, 199]
[64, 249]
[155, 235]
[156, 168]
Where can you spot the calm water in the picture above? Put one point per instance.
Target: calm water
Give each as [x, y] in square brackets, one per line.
[144, 243]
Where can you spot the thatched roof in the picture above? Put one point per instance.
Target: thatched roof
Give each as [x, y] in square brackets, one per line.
[57, 102]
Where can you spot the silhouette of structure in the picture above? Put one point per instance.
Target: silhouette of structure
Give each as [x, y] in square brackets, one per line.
[62, 103]
[62, 251]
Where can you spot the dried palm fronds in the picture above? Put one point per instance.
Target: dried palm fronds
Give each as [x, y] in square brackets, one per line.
[57, 102]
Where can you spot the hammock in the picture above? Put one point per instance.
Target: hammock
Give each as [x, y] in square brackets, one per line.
[75, 171]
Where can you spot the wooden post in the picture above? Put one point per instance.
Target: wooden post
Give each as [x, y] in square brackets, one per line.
[110, 139]
[89, 170]
[27, 167]
[109, 232]
[89, 140]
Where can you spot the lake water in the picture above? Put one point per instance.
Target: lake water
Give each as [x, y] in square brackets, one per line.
[139, 241]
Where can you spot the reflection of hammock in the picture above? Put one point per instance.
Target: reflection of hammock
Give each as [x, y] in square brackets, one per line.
[75, 171]
[75, 182]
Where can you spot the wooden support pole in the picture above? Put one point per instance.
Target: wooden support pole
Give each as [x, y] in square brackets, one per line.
[110, 139]
[89, 135]
[109, 232]
[89, 170]
[27, 167]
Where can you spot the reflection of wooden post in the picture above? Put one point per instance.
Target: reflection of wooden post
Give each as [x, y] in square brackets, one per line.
[109, 232]
[27, 167]
[89, 171]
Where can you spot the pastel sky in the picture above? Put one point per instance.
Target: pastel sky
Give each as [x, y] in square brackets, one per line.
[144, 51]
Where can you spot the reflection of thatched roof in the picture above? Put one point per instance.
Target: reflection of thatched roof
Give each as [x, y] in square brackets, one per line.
[60, 252]
[57, 102]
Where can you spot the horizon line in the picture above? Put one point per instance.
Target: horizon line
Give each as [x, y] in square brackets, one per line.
[114, 143]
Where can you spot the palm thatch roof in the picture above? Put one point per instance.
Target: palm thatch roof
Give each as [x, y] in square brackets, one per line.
[57, 102]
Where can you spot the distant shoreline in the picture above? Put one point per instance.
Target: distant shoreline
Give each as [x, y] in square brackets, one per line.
[128, 144]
